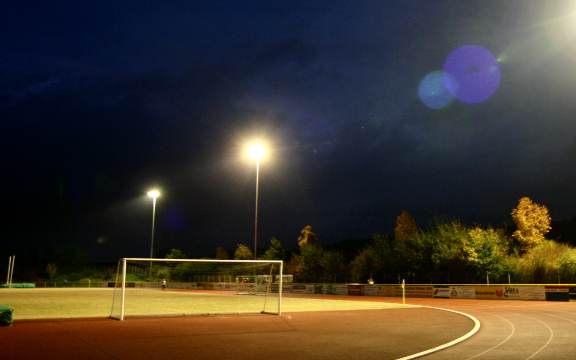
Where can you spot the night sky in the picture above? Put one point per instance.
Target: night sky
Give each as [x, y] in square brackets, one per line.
[100, 101]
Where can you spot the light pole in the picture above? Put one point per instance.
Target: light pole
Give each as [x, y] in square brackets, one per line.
[154, 194]
[256, 151]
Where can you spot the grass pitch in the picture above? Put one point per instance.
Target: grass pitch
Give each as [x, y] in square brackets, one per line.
[79, 302]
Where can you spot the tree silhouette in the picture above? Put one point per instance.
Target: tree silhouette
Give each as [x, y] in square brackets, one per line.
[405, 227]
[243, 252]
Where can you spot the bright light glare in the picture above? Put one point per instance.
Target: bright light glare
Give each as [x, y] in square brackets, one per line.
[153, 193]
[256, 151]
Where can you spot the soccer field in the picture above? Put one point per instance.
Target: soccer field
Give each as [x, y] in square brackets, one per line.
[78, 302]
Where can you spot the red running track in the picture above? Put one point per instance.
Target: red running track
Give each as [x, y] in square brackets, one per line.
[510, 330]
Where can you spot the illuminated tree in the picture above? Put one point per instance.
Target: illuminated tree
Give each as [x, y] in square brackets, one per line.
[405, 227]
[243, 252]
[450, 251]
[532, 222]
[486, 251]
[307, 236]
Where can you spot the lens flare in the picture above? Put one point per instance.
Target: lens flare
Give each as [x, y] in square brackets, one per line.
[475, 73]
[433, 91]
[502, 59]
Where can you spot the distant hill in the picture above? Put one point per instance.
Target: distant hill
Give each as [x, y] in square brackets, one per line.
[564, 231]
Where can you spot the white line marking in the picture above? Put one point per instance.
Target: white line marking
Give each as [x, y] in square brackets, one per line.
[501, 342]
[466, 336]
[563, 318]
[547, 342]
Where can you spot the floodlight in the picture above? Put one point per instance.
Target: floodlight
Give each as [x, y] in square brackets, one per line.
[256, 151]
[153, 193]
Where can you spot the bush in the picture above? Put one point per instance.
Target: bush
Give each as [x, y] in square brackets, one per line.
[548, 262]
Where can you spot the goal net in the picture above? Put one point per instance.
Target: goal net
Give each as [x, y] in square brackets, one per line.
[179, 287]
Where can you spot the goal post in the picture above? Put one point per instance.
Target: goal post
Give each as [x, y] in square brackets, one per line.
[180, 287]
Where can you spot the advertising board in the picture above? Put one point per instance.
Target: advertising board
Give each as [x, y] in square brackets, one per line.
[441, 291]
[390, 290]
[302, 288]
[519, 292]
[372, 290]
[462, 292]
[490, 292]
[340, 289]
[419, 290]
[355, 289]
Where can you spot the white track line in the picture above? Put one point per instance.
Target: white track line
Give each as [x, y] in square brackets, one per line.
[501, 342]
[560, 317]
[550, 331]
[466, 336]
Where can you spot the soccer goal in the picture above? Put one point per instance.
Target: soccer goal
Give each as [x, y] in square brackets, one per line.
[180, 287]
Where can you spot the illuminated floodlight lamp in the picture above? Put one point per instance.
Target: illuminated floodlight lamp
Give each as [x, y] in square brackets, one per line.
[154, 194]
[256, 151]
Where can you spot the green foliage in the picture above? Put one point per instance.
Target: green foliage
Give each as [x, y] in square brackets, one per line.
[446, 252]
[414, 257]
[487, 252]
[409, 246]
[450, 244]
[243, 252]
[364, 265]
[335, 267]
[275, 251]
[547, 262]
[383, 260]
[314, 264]
[76, 272]
[294, 266]
[466, 254]
[135, 277]
[450, 252]
[181, 272]
[311, 267]
[162, 272]
[176, 254]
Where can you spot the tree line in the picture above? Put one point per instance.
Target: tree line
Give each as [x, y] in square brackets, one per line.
[447, 251]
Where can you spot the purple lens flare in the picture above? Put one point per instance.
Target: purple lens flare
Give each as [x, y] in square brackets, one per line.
[474, 74]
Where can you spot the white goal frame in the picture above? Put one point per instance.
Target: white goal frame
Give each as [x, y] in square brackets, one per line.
[152, 260]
